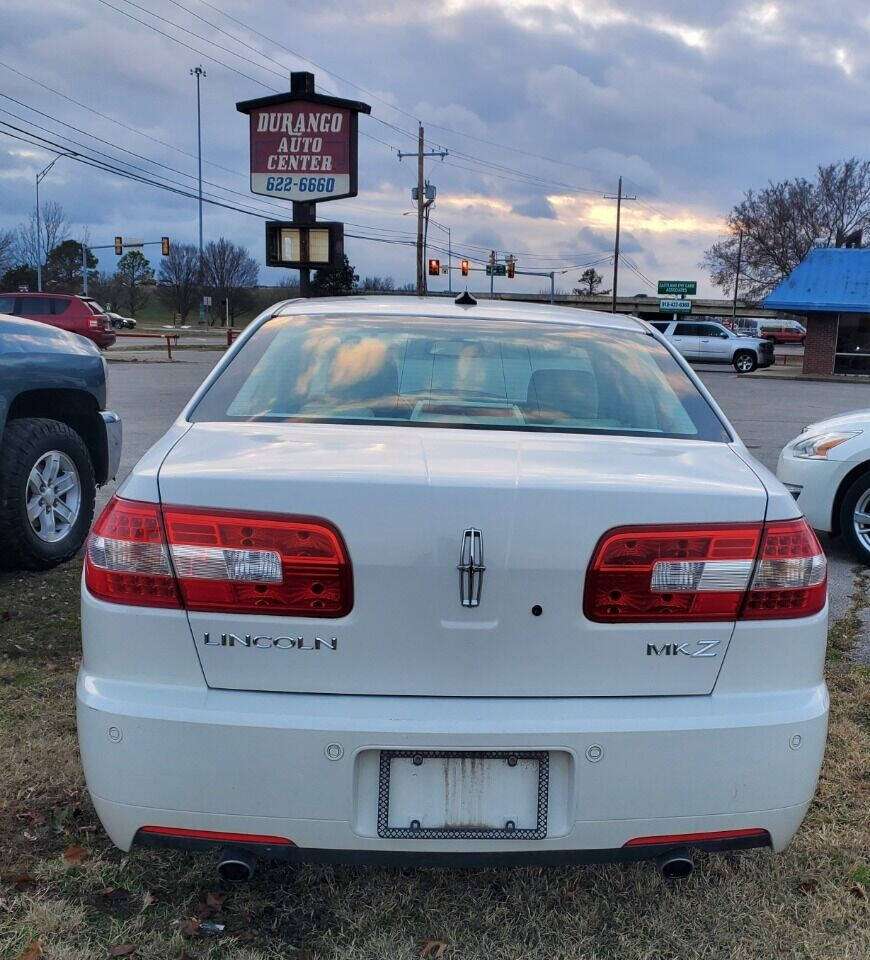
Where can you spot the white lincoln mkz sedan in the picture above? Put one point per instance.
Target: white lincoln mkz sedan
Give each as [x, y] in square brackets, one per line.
[429, 582]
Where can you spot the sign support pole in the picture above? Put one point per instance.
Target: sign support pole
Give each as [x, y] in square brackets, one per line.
[304, 213]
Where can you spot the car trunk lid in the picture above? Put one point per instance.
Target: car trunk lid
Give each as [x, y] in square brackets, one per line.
[403, 499]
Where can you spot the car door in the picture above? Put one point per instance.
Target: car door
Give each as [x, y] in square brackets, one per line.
[685, 339]
[714, 343]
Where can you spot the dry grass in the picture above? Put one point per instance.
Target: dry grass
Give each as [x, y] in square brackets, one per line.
[810, 902]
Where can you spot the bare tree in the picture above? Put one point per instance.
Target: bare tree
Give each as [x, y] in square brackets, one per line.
[590, 280]
[781, 223]
[53, 229]
[106, 288]
[178, 279]
[229, 273]
[378, 284]
[7, 250]
[133, 272]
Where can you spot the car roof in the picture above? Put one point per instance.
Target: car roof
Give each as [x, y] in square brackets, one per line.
[445, 307]
[36, 293]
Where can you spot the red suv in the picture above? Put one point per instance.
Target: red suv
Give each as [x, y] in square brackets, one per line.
[77, 314]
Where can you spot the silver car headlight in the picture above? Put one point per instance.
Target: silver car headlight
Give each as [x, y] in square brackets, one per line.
[819, 446]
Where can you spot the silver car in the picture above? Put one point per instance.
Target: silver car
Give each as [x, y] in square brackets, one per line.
[706, 342]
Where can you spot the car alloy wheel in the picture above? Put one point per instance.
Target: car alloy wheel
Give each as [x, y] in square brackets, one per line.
[53, 496]
[744, 363]
[861, 519]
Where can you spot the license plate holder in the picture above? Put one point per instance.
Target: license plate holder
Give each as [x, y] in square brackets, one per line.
[395, 767]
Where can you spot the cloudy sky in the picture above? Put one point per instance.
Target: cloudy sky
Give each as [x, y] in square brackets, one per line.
[541, 104]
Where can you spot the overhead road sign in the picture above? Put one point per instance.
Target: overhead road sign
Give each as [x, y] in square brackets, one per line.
[680, 288]
[675, 306]
[496, 270]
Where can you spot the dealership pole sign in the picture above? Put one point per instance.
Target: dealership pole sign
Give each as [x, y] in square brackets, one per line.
[303, 149]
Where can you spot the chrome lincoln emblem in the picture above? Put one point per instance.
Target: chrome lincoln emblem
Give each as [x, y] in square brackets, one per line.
[471, 567]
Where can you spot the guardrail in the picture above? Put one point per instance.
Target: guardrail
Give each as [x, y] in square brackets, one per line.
[170, 338]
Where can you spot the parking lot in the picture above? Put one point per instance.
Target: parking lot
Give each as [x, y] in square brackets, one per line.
[81, 896]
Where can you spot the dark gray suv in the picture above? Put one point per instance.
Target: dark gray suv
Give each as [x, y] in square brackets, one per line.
[57, 442]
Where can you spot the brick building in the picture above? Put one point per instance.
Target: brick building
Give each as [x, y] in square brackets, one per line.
[831, 289]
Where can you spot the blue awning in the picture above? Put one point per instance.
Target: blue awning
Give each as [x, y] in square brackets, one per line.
[829, 280]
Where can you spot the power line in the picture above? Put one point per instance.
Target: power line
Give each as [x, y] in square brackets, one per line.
[214, 43]
[120, 123]
[374, 96]
[469, 157]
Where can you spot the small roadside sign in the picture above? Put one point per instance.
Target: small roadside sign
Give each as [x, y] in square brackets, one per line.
[680, 288]
[206, 301]
[497, 270]
[675, 306]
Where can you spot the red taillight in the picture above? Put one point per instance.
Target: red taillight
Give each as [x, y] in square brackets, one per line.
[216, 560]
[259, 563]
[706, 573]
[217, 835]
[675, 839]
[127, 560]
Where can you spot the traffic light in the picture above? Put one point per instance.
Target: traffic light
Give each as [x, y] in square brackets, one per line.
[434, 268]
[164, 246]
[511, 268]
[119, 246]
[464, 266]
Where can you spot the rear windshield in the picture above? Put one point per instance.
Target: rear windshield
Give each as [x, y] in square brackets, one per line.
[480, 374]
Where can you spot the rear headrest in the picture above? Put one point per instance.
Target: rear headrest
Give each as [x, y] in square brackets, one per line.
[563, 395]
[381, 386]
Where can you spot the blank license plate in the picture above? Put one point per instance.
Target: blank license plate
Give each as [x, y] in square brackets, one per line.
[463, 795]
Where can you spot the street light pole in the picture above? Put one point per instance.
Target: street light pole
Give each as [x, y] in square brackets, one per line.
[198, 72]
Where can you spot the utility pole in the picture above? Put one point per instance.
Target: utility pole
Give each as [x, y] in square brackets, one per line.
[421, 276]
[421, 203]
[618, 198]
[84, 268]
[39, 178]
[199, 73]
[737, 277]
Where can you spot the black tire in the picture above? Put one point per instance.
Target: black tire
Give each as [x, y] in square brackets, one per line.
[857, 492]
[745, 361]
[22, 445]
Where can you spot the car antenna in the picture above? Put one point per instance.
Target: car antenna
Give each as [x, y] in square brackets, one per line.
[465, 300]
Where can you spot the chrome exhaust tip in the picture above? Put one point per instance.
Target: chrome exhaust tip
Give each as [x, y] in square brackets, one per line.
[676, 864]
[236, 866]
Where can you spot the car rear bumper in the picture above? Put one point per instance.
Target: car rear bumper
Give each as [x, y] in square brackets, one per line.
[620, 769]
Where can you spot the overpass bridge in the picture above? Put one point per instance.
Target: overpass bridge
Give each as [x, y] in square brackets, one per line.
[645, 307]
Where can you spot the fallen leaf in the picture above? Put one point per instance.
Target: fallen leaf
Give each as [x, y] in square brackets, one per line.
[433, 948]
[32, 951]
[810, 886]
[190, 927]
[121, 950]
[214, 901]
[23, 880]
[75, 854]
[858, 892]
